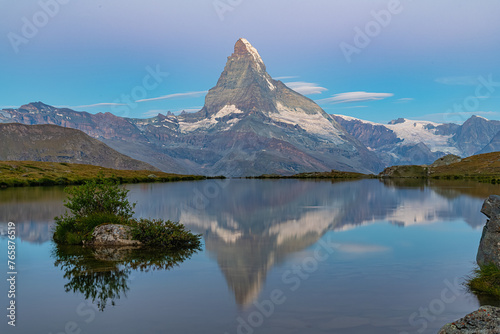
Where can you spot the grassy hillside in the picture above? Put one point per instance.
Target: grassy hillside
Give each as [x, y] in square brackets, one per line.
[58, 144]
[37, 173]
[477, 166]
[481, 167]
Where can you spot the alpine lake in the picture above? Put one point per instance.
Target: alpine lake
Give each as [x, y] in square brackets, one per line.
[278, 256]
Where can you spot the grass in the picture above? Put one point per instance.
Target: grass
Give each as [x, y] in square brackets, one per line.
[333, 174]
[37, 173]
[485, 280]
[481, 167]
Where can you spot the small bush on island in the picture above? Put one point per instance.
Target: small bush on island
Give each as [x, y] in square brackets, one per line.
[166, 234]
[102, 201]
[485, 280]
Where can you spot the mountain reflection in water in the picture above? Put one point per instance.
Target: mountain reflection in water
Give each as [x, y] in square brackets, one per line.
[250, 226]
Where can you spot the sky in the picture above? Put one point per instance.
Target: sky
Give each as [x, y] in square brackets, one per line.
[435, 60]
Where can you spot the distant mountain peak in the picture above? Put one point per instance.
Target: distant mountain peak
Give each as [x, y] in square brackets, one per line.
[37, 107]
[479, 117]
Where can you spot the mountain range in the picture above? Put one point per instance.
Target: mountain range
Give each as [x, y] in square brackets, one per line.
[251, 125]
[409, 142]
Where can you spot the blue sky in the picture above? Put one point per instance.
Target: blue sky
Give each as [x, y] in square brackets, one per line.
[375, 60]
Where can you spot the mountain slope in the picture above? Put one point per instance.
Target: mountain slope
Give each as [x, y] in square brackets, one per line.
[475, 134]
[57, 144]
[492, 146]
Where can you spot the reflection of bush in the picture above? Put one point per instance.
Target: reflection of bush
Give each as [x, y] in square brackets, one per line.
[102, 274]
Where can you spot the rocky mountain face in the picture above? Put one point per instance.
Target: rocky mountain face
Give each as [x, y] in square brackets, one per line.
[250, 125]
[59, 144]
[476, 134]
[407, 142]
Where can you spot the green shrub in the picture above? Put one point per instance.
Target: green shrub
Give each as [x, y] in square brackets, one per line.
[99, 196]
[486, 279]
[94, 203]
[101, 201]
[166, 234]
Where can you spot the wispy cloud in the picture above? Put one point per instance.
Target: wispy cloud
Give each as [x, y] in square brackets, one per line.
[351, 107]
[173, 96]
[355, 97]
[8, 107]
[305, 88]
[466, 80]
[95, 105]
[404, 100]
[286, 77]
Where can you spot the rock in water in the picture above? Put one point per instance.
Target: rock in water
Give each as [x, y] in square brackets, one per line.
[113, 235]
[486, 320]
[489, 246]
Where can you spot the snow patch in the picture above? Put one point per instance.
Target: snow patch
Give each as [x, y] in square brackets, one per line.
[271, 86]
[414, 132]
[313, 123]
[227, 110]
[349, 118]
[212, 121]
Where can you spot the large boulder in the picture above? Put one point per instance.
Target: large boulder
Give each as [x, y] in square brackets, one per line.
[486, 320]
[446, 160]
[491, 206]
[113, 235]
[489, 246]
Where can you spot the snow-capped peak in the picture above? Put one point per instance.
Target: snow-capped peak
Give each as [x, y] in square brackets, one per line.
[253, 51]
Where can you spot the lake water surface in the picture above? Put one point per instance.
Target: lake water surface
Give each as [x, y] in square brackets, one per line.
[279, 256]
